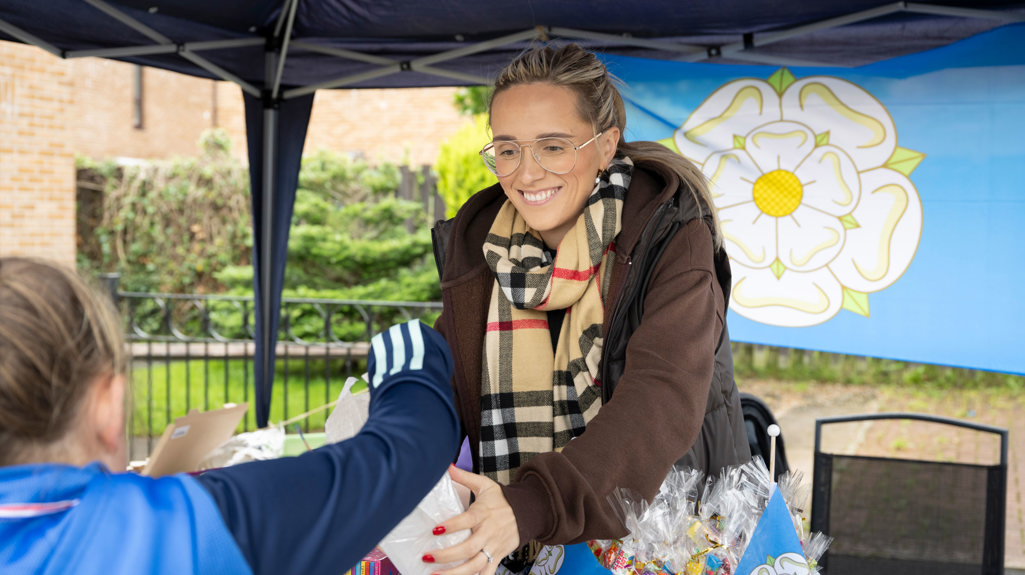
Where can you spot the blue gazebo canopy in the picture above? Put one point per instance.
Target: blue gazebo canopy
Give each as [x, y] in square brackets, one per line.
[280, 52]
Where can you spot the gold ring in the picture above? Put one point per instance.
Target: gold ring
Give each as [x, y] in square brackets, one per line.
[488, 555]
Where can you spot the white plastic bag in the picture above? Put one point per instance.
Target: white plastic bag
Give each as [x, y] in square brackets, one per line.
[412, 537]
[349, 414]
[258, 445]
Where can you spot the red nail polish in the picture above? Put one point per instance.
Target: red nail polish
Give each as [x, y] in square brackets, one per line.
[428, 558]
[439, 530]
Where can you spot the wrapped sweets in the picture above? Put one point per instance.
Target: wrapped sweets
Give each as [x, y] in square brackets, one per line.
[698, 526]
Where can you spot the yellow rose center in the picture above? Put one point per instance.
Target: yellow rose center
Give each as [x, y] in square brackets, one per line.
[778, 193]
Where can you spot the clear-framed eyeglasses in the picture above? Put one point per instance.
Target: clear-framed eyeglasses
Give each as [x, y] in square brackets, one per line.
[557, 155]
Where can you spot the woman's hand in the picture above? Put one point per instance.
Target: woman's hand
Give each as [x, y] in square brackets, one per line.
[492, 525]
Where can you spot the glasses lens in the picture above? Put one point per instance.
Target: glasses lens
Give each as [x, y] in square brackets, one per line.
[501, 158]
[557, 155]
[488, 156]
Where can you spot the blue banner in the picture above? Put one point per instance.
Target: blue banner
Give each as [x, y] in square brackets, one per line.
[875, 211]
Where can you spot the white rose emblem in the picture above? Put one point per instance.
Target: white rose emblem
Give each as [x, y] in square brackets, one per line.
[785, 564]
[812, 191]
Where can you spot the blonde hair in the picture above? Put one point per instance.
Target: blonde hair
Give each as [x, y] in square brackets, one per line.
[57, 336]
[600, 104]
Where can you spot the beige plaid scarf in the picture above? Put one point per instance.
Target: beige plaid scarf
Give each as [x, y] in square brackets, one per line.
[533, 400]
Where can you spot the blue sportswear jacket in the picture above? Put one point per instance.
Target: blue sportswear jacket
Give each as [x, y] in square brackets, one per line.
[316, 513]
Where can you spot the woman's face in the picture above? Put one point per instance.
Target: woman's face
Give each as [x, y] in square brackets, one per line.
[550, 203]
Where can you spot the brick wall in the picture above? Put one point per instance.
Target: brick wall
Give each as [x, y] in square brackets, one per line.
[37, 169]
[53, 109]
[175, 110]
[401, 126]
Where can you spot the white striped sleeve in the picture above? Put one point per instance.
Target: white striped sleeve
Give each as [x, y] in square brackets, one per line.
[417, 338]
[398, 349]
[380, 359]
[402, 347]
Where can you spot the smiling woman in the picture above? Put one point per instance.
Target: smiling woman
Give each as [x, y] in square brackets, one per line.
[549, 186]
[594, 264]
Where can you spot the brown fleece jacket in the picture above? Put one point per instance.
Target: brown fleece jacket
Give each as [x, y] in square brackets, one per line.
[675, 397]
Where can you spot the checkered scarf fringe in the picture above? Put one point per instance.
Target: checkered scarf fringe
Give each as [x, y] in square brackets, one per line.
[534, 400]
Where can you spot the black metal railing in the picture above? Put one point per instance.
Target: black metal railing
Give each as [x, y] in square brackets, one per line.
[193, 351]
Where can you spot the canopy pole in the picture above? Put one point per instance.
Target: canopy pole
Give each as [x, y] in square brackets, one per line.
[277, 131]
[23, 36]
[283, 41]
[268, 335]
[270, 154]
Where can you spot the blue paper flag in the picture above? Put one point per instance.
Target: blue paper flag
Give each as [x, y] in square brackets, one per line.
[567, 559]
[774, 547]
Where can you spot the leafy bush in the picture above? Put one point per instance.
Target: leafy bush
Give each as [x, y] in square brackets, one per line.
[752, 361]
[361, 251]
[184, 226]
[166, 225]
[343, 179]
[472, 100]
[460, 170]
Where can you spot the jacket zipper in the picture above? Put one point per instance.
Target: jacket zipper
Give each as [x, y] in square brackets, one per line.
[629, 289]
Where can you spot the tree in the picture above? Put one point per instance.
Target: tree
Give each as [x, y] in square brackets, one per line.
[461, 173]
[184, 226]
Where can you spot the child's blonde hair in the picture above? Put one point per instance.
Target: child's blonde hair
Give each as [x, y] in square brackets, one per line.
[57, 336]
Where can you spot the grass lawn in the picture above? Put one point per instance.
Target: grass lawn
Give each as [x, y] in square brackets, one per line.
[164, 391]
[806, 367]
